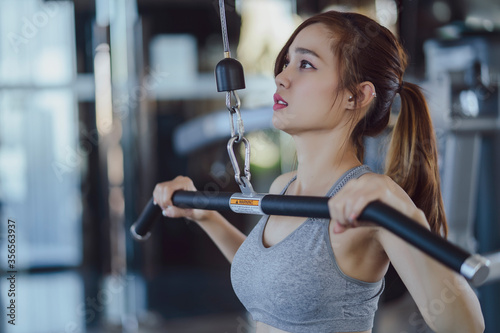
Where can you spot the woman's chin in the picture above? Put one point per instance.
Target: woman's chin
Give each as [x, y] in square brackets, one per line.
[282, 122]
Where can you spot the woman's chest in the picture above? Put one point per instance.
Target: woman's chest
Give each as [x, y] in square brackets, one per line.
[278, 228]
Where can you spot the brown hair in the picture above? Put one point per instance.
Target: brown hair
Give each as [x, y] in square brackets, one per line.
[367, 51]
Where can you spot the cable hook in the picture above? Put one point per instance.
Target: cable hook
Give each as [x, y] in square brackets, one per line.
[243, 181]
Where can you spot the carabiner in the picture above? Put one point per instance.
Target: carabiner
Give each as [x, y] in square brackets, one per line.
[243, 183]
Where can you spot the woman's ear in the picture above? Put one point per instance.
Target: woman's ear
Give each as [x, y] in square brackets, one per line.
[366, 94]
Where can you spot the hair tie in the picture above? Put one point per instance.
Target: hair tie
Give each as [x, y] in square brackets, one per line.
[401, 86]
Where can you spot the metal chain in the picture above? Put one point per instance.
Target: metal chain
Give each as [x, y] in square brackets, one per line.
[235, 109]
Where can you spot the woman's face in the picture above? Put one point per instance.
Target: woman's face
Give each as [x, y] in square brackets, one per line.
[306, 96]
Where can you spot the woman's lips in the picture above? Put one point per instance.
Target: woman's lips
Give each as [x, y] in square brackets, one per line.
[279, 102]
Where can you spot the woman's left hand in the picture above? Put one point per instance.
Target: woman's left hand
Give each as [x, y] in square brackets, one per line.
[346, 206]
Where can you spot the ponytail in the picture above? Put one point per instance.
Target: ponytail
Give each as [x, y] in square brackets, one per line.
[412, 159]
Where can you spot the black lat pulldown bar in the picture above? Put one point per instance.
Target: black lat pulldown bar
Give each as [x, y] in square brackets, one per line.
[473, 267]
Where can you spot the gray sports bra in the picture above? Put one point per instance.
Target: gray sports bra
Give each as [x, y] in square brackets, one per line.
[296, 285]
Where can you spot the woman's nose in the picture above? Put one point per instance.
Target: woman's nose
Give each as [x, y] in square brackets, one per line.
[282, 79]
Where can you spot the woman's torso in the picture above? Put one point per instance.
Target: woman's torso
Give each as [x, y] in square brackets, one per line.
[349, 250]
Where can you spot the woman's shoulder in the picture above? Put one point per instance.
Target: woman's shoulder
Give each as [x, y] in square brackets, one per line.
[280, 182]
[382, 181]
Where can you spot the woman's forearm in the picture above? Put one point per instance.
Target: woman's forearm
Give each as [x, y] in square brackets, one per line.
[445, 299]
[451, 305]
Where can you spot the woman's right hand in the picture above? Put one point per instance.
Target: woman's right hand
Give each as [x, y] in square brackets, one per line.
[226, 236]
[162, 196]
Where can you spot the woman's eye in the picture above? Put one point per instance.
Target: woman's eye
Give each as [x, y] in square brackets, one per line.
[306, 64]
[286, 63]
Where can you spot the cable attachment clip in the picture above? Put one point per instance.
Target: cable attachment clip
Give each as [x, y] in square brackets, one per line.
[243, 181]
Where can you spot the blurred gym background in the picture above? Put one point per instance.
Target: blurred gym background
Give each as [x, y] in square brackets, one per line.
[102, 99]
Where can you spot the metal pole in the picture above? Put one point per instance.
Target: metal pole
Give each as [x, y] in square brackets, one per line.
[473, 267]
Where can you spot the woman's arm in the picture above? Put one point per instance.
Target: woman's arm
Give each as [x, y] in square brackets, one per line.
[444, 298]
[226, 236]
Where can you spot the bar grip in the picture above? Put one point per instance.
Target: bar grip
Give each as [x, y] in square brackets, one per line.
[202, 200]
[473, 267]
[140, 230]
[415, 234]
[290, 205]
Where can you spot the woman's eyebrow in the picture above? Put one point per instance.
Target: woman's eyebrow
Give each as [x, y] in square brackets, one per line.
[302, 50]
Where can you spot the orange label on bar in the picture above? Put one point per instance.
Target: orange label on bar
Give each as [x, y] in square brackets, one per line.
[244, 202]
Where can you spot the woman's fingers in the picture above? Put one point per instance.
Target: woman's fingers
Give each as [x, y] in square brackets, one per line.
[174, 212]
[168, 212]
[338, 228]
[348, 204]
[343, 205]
[162, 196]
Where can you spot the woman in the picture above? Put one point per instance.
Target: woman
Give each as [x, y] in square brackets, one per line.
[336, 78]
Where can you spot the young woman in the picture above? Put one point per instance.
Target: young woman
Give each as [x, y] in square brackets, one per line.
[336, 78]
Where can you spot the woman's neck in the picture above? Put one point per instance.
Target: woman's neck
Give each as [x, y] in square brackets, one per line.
[322, 159]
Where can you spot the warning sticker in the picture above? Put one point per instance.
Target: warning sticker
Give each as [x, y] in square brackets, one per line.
[245, 202]
[244, 205]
